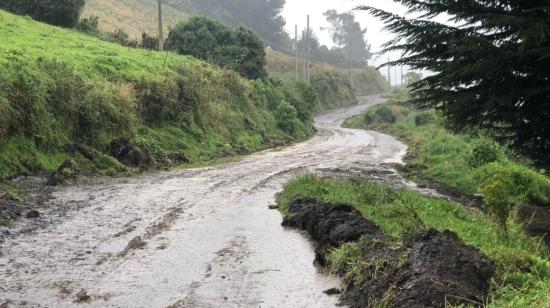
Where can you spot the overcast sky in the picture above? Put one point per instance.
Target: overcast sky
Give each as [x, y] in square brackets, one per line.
[296, 11]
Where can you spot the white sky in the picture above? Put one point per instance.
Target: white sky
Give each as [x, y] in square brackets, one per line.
[295, 12]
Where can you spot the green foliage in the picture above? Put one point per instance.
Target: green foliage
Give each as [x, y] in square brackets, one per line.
[64, 13]
[424, 118]
[490, 65]
[506, 185]
[263, 17]
[64, 105]
[523, 271]
[484, 151]
[240, 50]
[149, 42]
[385, 114]
[287, 117]
[88, 24]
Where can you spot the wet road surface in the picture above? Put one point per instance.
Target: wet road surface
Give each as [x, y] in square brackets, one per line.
[189, 238]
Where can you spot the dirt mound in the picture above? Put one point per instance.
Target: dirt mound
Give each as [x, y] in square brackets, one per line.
[442, 269]
[439, 269]
[431, 269]
[329, 224]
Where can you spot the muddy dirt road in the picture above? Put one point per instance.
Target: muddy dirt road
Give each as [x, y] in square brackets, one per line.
[190, 238]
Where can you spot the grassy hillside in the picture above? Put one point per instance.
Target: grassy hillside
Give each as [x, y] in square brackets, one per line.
[71, 103]
[364, 81]
[132, 16]
[332, 84]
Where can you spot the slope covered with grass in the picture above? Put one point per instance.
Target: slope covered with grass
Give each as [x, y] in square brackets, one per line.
[132, 16]
[73, 101]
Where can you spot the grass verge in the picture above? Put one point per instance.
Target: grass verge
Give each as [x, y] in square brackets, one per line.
[467, 162]
[523, 269]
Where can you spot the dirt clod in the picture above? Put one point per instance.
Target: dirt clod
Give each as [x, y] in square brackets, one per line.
[430, 269]
[329, 224]
[32, 214]
[136, 243]
[440, 270]
[82, 296]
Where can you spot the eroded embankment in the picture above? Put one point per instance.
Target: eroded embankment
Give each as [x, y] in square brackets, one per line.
[428, 269]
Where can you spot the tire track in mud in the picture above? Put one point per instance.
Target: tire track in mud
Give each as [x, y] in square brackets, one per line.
[201, 237]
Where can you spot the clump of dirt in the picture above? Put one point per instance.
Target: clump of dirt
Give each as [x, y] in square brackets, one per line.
[439, 270]
[329, 224]
[430, 269]
[82, 297]
[136, 243]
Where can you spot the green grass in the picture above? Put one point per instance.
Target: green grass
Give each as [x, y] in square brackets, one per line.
[59, 87]
[523, 269]
[452, 159]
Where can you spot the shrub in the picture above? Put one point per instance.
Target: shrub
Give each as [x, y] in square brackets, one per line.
[287, 117]
[505, 185]
[88, 25]
[424, 118]
[202, 38]
[485, 151]
[149, 42]
[386, 115]
[64, 13]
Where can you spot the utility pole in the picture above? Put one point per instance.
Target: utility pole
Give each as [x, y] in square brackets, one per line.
[161, 39]
[389, 72]
[307, 68]
[296, 50]
[350, 66]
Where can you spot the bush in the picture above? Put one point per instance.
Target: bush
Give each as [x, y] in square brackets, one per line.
[386, 115]
[287, 117]
[240, 50]
[64, 13]
[424, 118]
[88, 25]
[485, 151]
[505, 185]
[149, 42]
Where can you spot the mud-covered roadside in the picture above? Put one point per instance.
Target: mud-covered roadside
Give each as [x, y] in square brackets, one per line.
[428, 269]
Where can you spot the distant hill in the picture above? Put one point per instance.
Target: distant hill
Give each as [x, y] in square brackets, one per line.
[132, 16]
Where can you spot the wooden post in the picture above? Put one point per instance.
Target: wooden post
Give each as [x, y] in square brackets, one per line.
[307, 68]
[161, 39]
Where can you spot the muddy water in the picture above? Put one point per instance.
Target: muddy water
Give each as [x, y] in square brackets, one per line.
[191, 238]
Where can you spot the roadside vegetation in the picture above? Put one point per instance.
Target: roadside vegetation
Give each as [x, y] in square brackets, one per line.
[522, 276]
[468, 162]
[71, 104]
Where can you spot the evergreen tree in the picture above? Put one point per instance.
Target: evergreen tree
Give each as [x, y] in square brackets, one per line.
[491, 68]
[64, 13]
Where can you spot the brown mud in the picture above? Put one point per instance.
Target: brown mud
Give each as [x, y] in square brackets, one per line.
[430, 269]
